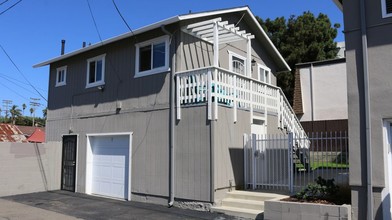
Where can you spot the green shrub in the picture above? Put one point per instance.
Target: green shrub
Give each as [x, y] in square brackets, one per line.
[322, 189]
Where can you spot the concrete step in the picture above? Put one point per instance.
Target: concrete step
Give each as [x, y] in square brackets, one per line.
[239, 212]
[258, 196]
[243, 203]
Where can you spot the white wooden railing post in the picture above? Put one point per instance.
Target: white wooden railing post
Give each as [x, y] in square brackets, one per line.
[178, 94]
[235, 98]
[245, 143]
[251, 101]
[216, 93]
[209, 95]
[216, 65]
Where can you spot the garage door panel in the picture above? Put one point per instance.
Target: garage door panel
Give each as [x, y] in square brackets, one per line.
[110, 166]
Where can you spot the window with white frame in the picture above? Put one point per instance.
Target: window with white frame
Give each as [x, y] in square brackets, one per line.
[237, 63]
[264, 74]
[61, 76]
[96, 71]
[386, 6]
[152, 56]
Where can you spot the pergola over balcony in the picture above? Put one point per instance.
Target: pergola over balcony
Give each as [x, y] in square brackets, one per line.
[217, 32]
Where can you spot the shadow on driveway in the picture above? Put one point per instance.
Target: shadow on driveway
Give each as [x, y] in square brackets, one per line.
[90, 207]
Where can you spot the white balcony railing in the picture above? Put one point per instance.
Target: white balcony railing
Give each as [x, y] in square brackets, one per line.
[206, 85]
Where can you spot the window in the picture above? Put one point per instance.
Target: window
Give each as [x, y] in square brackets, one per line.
[237, 63]
[61, 76]
[152, 56]
[96, 71]
[264, 74]
[386, 6]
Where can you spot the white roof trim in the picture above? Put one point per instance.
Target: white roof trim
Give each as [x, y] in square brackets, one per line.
[167, 22]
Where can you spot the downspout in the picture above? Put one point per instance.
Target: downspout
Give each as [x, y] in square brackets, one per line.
[171, 122]
[367, 110]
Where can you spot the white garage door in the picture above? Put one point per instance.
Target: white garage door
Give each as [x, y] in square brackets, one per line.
[110, 166]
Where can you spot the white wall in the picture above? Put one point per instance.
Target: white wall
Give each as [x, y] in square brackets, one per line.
[328, 86]
[27, 167]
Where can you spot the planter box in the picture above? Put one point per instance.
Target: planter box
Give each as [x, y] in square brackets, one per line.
[305, 211]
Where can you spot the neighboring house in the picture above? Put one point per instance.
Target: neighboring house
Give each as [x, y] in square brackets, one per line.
[38, 136]
[29, 130]
[320, 95]
[11, 133]
[368, 37]
[160, 113]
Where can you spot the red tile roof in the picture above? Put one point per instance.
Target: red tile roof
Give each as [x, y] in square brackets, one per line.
[28, 130]
[11, 133]
[38, 136]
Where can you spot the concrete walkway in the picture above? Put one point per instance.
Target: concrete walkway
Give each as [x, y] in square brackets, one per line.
[60, 205]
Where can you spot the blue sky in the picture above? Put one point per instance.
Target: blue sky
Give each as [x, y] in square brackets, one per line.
[31, 32]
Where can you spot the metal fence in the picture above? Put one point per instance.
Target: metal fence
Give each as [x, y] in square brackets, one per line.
[276, 162]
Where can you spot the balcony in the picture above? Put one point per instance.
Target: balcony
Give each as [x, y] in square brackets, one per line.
[217, 86]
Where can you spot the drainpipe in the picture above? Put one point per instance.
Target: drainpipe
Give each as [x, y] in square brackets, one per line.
[171, 123]
[367, 110]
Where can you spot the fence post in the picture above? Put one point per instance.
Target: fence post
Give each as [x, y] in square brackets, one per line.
[253, 161]
[290, 165]
[245, 143]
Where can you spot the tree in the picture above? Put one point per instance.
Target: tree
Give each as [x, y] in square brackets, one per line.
[15, 113]
[31, 114]
[301, 39]
[24, 107]
[45, 112]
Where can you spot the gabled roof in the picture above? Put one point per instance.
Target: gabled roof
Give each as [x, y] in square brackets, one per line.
[11, 133]
[260, 35]
[38, 136]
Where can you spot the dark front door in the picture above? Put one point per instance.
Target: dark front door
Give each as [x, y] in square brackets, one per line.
[68, 173]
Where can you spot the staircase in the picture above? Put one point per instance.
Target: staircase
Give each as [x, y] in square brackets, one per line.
[245, 204]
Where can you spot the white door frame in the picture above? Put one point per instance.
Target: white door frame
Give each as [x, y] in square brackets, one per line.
[89, 157]
[386, 193]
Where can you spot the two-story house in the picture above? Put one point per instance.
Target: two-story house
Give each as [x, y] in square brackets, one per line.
[368, 35]
[159, 113]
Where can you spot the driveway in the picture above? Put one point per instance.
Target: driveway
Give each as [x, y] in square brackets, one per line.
[67, 205]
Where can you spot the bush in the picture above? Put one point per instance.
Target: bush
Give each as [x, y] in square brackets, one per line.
[321, 190]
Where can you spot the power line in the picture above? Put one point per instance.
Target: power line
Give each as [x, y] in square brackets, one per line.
[118, 11]
[22, 73]
[16, 84]
[3, 2]
[14, 91]
[9, 7]
[126, 23]
[95, 23]
[15, 81]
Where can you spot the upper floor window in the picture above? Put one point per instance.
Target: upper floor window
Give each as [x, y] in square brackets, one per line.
[386, 8]
[61, 76]
[152, 56]
[264, 74]
[237, 63]
[96, 71]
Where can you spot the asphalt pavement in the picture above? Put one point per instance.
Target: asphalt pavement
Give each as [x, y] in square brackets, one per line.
[65, 205]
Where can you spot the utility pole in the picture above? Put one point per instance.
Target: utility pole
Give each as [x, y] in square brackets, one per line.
[34, 103]
[6, 105]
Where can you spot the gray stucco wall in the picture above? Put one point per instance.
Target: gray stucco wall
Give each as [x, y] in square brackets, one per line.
[28, 168]
[379, 32]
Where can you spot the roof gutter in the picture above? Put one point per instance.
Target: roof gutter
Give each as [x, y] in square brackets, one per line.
[365, 67]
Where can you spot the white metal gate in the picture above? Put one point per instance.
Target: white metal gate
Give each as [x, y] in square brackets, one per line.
[284, 162]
